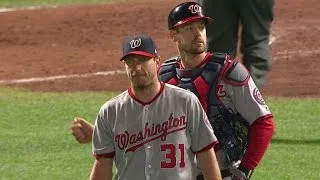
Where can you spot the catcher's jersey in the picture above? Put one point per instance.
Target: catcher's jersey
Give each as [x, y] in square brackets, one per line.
[155, 140]
[245, 100]
[227, 85]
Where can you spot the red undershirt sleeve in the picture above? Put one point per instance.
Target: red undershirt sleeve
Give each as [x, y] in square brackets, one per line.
[261, 134]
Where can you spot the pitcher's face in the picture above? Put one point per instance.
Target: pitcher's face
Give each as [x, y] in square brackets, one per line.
[141, 70]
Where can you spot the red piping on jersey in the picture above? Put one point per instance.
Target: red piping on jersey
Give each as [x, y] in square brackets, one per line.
[207, 147]
[205, 60]
[149, 102]
[202, 87]
[107, 155]
[261, 134]
[264, 117]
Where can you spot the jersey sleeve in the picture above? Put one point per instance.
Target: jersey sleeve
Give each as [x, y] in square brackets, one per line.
[248, 101]
[199, 127]
[102, 139]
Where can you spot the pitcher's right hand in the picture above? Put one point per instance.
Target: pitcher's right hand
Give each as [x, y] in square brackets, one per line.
[82, 130]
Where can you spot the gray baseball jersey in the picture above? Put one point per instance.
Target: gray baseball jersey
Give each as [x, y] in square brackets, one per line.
[153, 140]
[244, 99]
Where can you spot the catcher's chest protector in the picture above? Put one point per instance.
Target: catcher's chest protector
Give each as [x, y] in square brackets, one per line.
[201, 81]
[230, 129]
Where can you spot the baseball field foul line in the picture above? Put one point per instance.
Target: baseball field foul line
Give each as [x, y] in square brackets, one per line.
[279, 55]
[52, 78]
[290, 54]
[26, 8]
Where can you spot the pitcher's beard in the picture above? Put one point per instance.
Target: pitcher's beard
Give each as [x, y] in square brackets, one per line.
[142, 86]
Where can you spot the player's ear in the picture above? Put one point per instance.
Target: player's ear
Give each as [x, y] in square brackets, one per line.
[157, 60]
[173, 35]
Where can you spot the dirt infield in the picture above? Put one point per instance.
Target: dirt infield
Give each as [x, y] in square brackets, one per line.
[84, 40]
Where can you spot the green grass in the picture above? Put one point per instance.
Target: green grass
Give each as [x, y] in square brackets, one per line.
[25, 3]
[34, 138]
[35, 142]
[295, 148]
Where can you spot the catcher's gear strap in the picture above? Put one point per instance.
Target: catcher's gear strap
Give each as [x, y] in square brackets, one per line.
[236, 74]
[220, 57]
[167, 70]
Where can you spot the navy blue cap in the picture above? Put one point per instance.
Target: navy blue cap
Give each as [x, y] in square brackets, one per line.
[139, 45]
[185, 12]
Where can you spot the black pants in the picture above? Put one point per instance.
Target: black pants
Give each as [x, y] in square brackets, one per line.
[224, 173]
[256, 17]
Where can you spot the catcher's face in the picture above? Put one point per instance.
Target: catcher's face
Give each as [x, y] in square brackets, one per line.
[191, 37]
[142, 70]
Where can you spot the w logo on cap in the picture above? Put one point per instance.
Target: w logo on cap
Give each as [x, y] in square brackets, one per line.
[135, 43]
[195, 9]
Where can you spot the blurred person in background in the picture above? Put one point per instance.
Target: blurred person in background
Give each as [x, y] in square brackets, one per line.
[255, 18]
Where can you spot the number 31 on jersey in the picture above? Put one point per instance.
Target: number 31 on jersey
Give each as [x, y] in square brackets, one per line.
[171, 155]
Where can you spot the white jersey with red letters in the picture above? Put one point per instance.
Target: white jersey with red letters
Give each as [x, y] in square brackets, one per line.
[155, 140]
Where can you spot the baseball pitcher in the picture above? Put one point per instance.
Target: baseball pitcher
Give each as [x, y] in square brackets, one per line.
[152, 131]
